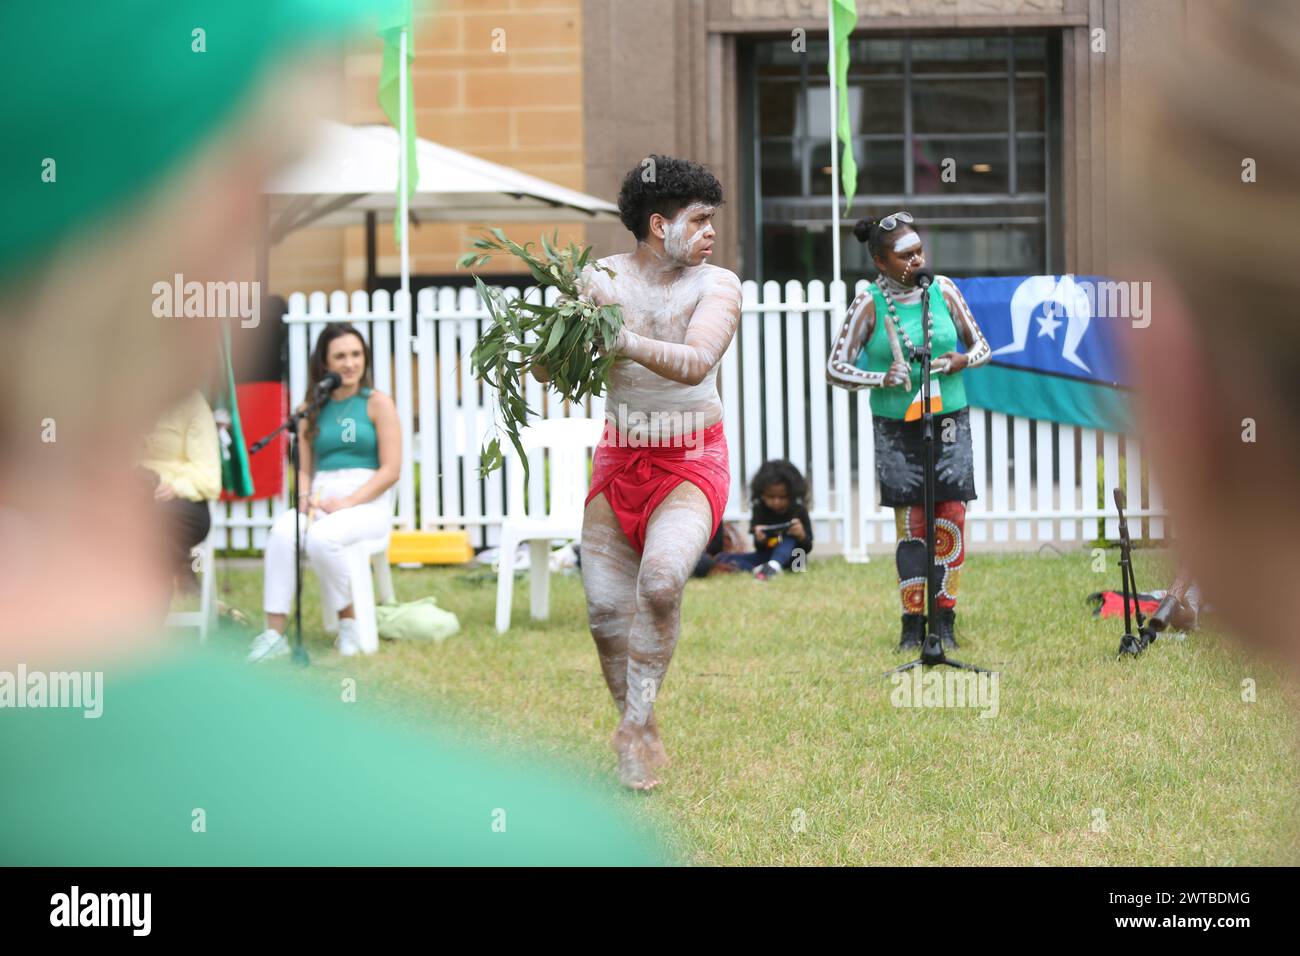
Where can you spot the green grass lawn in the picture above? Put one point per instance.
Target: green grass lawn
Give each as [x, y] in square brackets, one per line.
[787, 750]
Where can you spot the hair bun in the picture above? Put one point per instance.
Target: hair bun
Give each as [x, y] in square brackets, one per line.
[862, 228]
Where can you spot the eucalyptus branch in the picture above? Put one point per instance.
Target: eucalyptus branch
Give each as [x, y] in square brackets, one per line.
[572, 340]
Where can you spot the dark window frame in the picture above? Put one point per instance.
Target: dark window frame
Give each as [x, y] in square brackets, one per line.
[1040, 209]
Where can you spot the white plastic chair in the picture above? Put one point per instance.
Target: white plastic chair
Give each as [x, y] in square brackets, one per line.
[568, 441]
[202, 618]
[368, 568]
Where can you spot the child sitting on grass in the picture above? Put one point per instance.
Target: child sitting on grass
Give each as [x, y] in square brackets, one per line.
[779, 523]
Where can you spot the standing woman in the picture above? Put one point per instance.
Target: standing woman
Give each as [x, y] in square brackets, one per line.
[350, 455]
[874, 349]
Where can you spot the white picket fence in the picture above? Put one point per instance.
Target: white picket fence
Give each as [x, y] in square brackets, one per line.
[1036, 481]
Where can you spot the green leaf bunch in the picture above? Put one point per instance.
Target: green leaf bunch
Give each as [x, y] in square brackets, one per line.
[572, 340]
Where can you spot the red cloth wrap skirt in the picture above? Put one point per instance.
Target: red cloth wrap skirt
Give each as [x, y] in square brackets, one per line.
[637, 478]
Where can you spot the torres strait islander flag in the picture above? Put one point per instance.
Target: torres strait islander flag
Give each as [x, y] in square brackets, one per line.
[1056, 347]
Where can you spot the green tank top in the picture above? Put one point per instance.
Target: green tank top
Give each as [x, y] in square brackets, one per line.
[347, 436]
[876, 357]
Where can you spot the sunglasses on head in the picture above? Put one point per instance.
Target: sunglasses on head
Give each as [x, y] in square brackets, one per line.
[889, 223]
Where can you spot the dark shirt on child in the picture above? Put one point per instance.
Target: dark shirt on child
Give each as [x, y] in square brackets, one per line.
[763, 515]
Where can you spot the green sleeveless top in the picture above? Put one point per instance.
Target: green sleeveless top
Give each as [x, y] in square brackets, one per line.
[347, 436]
[876, 357]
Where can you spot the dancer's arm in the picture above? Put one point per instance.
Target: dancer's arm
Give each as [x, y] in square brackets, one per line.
[977, 347]
[854, 333]
[712, 327]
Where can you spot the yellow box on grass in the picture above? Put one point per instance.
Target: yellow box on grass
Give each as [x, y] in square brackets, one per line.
[430, 547]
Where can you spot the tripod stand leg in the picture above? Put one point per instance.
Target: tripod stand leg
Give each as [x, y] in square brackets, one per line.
[947, 661]
[904, 667]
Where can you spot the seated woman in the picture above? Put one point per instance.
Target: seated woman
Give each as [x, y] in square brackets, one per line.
[779, 523]
[183, 462]
[350, 454]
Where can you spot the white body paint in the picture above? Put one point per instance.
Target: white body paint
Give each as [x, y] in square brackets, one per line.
[909, 241]
[676, 245]
[678, 322]
[860, 322]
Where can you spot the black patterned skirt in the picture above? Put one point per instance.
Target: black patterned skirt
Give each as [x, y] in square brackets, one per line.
[900, 459]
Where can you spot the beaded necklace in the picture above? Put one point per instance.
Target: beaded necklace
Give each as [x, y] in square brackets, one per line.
[883, 282]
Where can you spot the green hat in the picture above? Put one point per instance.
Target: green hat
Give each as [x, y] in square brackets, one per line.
[104, 99]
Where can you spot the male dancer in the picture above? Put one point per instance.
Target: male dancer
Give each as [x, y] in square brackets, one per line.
[659, 486]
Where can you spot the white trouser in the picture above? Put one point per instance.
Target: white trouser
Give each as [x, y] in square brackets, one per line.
[324, 541]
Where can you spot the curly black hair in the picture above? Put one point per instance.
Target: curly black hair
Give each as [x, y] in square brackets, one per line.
[664, 184]
[778, 471]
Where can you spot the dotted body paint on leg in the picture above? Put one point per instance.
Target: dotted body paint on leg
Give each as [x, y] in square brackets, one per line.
[949, 553]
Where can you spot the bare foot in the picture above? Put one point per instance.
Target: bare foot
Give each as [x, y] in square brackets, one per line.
[634, 764]
[655, 752]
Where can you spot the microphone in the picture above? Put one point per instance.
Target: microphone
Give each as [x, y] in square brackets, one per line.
[331, 381]
[321, 393]
[924, 278]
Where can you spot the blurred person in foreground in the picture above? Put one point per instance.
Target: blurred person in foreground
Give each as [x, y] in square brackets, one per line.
[183, 463]
[1218, 366]
[185, 758]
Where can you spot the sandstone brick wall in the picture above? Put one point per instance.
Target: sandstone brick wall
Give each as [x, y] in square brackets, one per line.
[521, 108]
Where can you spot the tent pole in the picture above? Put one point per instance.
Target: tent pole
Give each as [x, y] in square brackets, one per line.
[402, 343]
[371, 253]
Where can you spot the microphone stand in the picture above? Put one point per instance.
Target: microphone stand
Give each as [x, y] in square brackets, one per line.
[931, 647]
[290, 425]
[1130, 644]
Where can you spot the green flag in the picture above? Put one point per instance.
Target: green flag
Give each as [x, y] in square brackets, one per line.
[236, 479]
[394, 18]
[844, 17]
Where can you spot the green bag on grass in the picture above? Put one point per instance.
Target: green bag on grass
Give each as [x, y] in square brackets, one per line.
[420, 620]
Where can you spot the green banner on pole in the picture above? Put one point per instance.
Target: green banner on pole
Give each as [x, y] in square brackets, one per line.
[394, 19]
[844, 17]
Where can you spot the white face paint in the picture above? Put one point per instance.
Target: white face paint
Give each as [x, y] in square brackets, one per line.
[909, 241]
[676, 245]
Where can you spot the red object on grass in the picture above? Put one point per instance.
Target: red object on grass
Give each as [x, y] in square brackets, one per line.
[1112, 604]
[263, 406]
